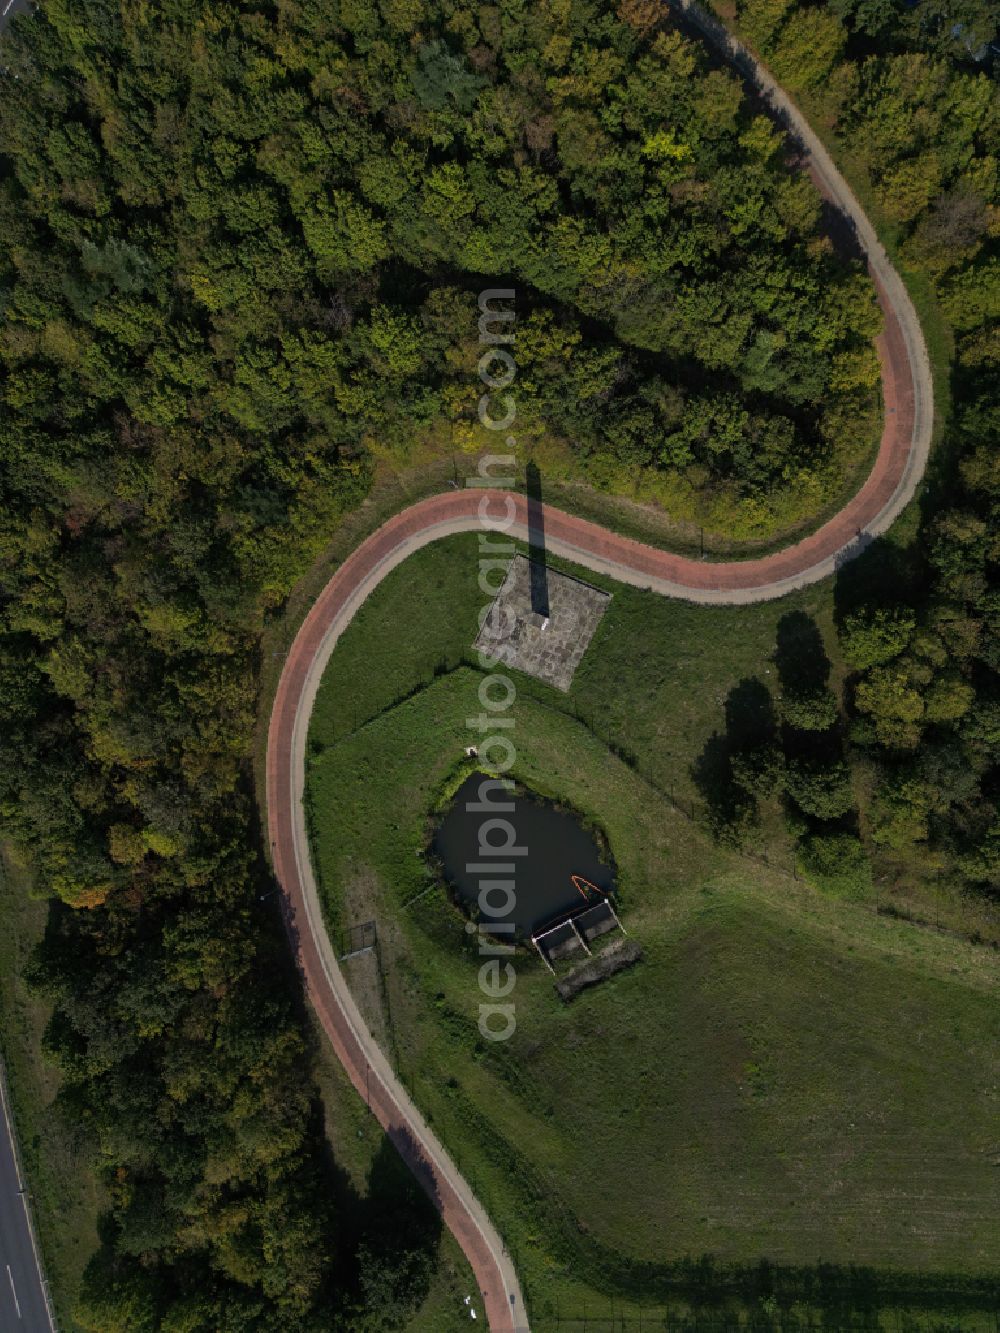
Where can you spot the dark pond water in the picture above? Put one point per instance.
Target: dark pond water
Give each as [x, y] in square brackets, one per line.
[532, 883]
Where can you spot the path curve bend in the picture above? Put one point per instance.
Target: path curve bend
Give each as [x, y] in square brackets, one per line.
[908, 396]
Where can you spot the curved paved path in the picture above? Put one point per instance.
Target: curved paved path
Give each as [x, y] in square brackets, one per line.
[893, 480]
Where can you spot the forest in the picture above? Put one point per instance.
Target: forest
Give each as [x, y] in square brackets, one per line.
[279, 223]
[242, 245]
[909, 94]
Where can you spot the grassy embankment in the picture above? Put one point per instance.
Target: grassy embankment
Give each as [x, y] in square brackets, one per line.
[784, 1076]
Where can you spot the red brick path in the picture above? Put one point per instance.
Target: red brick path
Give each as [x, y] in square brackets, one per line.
[460, 508]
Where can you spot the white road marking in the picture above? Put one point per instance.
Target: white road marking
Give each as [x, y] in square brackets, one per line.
[7, 7]
[17, 1305]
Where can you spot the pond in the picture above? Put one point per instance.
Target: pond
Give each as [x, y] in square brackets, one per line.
[511, 858]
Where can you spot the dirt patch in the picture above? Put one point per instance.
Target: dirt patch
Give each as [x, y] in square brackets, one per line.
[363, 970]
[621, 954]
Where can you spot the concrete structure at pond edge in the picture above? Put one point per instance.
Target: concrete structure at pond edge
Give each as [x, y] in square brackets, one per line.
[598, 920]
[562, 938]
[551, 646]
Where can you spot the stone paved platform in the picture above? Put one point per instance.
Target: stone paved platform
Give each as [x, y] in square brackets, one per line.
[549, 647]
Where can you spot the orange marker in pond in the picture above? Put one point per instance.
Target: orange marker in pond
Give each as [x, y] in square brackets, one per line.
[579, 881]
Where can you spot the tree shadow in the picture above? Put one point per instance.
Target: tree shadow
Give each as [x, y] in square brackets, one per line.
[750, 723]
[883, 574]
[397, 1232]
[804, 672]
[750, 718]
[712, 773]
[539, 573]
[800, 655]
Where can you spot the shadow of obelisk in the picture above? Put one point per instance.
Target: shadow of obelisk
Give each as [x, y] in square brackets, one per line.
[536, 542]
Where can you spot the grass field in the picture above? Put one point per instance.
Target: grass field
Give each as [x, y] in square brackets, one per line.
[65, 1195]
[784, 1076]
[656, 682]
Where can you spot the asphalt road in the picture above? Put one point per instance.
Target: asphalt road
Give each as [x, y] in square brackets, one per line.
[23, 1307]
